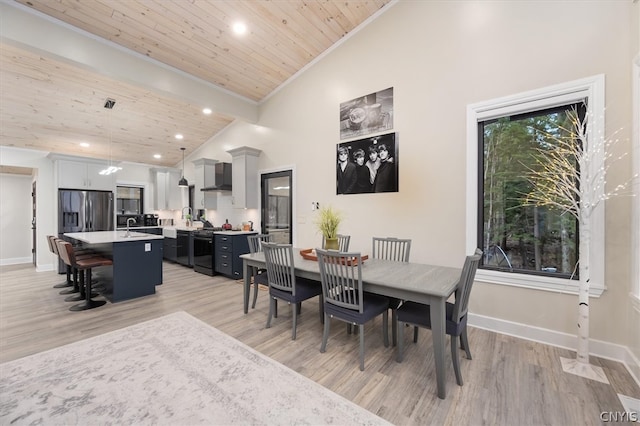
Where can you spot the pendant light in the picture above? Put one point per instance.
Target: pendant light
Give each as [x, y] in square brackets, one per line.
[183, 181]
[109, 104]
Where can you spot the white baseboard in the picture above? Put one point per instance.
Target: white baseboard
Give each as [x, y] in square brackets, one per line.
[16, 261]
[23, 260]
[597, 348]
[47, 267]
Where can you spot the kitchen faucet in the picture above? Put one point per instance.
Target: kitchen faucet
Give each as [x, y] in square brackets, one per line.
[190, 211]
[189, 214]
[128, 232]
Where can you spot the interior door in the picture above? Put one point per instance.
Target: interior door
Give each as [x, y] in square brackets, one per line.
[277, 205]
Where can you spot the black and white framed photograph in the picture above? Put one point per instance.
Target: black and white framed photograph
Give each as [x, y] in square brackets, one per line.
[372, 113]
[367, 165]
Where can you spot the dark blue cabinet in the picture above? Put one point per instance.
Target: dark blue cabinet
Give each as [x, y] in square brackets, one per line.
[227, 251]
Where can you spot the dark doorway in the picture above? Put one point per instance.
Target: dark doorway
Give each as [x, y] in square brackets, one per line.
[277, 205]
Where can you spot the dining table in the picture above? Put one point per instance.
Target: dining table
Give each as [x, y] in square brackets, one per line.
[409, 281]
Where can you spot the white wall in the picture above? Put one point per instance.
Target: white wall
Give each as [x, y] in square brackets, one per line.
[15, 219]
[439, 57]
[46, 194]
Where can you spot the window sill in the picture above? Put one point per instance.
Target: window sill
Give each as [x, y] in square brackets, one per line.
[556, 285]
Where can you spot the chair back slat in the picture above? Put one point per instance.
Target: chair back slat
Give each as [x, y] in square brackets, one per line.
[390, 248]
[463, 291]
[255, 242]
[280, 267]
[341, 280]
[343, 242]
[66, 253]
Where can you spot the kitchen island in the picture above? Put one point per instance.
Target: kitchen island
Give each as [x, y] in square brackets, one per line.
[137, 262]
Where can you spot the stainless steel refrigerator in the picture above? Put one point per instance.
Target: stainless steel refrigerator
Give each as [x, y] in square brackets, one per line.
[84, 211]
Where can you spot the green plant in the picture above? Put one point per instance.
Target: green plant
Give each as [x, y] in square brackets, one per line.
[328, 221]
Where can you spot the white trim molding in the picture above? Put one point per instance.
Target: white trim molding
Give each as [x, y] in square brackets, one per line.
[635, 302]
[567, 341]
[590, 89]
[15, 261]
[635, 208]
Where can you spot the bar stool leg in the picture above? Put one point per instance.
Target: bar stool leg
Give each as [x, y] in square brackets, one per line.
[78, 294]
[81, 294]
[74, 282]
[67, 283]
[88, 303]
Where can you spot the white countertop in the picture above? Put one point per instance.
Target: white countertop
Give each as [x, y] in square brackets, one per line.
[235, 232]
[103, 237]
[133, 228]
[171, 231]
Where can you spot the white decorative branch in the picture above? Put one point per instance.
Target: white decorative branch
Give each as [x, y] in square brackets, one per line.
[559, 184]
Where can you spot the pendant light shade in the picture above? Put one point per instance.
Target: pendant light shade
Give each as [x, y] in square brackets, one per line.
[183, 181]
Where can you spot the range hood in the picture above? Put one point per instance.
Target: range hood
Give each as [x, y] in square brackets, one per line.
[222, 181]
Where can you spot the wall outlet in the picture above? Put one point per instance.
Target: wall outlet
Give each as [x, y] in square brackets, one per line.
[315, 205]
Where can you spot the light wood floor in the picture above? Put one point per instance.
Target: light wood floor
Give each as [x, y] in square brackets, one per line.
[509, 381]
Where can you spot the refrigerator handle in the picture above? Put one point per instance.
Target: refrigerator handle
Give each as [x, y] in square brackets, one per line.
[89, 215]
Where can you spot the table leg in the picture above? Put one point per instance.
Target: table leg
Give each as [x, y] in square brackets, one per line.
[438, 330]
[246, 285]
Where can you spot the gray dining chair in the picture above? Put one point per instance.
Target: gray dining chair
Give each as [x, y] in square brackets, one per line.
[283, 283]
[344, 298]
[419, 314]
[259, 274]
[397, 250]
[343, 242]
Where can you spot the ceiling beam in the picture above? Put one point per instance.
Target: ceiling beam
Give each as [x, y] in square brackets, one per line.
[30, 29]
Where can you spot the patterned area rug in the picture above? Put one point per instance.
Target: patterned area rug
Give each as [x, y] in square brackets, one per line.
[173, 370]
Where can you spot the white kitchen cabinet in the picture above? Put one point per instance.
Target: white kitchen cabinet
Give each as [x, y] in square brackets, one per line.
[84, 175]
[245, 177]
[168, 195]
[205, 177]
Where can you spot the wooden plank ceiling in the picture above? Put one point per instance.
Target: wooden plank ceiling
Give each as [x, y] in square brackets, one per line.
[51, 105]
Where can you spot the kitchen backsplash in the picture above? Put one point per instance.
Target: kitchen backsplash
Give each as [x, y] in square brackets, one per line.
[218, 216]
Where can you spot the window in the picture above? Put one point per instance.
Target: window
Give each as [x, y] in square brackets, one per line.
[526, 246]
[516, 237]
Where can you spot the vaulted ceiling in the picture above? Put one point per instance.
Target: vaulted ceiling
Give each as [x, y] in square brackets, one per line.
[163, 61]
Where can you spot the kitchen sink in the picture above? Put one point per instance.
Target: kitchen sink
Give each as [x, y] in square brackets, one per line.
[134, 236]
[170, 232]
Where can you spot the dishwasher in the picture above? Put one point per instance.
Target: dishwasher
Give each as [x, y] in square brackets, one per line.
[184, 250]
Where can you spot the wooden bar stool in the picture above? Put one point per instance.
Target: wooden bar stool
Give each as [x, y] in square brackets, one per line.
[84, 266]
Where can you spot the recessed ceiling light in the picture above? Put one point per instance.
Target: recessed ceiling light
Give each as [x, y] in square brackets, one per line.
[179, 136]
[207, 111]
[157, 156]
[84, 144]
[239, 28]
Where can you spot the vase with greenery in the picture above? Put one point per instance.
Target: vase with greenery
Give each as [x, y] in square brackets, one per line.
[328, 221]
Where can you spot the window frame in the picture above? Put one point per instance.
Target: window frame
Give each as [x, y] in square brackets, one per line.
[591, 90]
[635, 210]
